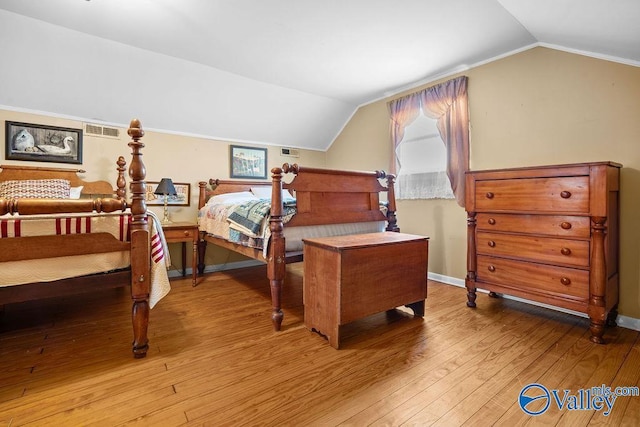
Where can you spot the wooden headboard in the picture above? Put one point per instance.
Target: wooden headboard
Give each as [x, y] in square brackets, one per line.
[90, 188]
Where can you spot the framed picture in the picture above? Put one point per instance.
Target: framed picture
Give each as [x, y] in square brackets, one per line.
[183, 198]
[40, 143]
[248, 162]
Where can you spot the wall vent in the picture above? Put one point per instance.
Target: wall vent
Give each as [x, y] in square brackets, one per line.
[101, 131]
[290, 152]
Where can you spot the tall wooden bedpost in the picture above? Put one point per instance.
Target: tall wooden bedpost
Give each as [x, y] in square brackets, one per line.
[392, 220]
[140, 266]
[276, 268]
[202, 243]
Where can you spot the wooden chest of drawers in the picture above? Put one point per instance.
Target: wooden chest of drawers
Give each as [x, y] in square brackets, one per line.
[547, 234]
[350, 277]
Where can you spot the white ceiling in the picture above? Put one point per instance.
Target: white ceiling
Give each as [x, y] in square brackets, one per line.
[314, 61]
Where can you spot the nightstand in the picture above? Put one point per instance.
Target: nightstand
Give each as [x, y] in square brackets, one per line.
[184, 232]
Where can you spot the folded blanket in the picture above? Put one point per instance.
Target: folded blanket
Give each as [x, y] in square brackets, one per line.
[252, 218]
[249, 218]
[249, 222]
[160, 261]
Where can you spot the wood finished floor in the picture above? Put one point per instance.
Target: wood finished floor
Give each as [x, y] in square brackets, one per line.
[214, 360]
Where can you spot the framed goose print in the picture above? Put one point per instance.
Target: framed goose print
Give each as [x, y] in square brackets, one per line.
[40, 143]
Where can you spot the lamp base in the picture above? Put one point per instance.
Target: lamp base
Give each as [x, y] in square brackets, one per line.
[165, 219]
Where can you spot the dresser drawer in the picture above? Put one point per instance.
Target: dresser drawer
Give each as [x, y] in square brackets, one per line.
[577, 227]
[565, 194]
[533, 277]
[540, 249]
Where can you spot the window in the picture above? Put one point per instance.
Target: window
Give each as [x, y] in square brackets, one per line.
[423, 159]
[448, 104]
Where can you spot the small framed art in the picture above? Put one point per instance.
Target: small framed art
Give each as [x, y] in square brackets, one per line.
[248, 162]
[182, 198]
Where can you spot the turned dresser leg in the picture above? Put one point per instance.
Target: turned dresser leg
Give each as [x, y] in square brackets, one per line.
[471, 297]
[597, 331]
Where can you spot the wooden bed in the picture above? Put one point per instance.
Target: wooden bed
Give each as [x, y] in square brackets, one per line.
[97, 197]
[323, 197]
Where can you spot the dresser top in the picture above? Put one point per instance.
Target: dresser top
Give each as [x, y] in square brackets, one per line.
[562, 166]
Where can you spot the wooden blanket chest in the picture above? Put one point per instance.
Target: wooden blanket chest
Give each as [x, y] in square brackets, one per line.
[350, 277]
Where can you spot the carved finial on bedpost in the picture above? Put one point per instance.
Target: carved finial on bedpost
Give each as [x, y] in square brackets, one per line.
[140, 259]
[276, 194]
[391, 209]
[121, 182]
[294, 168]
[137, 173]
[202, 193]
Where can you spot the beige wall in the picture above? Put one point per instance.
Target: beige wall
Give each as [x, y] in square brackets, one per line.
[538, 107]
[181, 158]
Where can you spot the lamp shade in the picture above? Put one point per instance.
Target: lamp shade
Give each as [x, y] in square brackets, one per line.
[165, 187]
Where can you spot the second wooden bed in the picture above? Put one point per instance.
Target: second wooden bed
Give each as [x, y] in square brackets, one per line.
[323, 197]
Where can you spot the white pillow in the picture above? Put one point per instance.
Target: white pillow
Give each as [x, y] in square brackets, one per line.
[262, 192]
[75, 192]
[229, 198]
[265, 193]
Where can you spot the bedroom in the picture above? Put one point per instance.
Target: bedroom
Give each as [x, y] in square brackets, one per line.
[515, 106]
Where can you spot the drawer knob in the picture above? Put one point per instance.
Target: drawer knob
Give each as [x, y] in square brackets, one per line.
[491, 268]
[566, 225]
[491, 221]
[565, 251]
[491, 243]
[565, 281]
[565, 194]
[186, 233]
[489, 195]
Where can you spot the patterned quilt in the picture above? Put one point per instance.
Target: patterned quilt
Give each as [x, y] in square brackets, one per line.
[251, 218]
[245, 223]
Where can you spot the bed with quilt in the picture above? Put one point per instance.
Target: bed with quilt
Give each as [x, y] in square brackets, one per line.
[61, 235]
[267, 221]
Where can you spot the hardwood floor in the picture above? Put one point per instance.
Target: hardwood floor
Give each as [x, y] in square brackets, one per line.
[214, 360]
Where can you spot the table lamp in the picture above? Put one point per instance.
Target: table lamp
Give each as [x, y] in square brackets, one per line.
[165, 189]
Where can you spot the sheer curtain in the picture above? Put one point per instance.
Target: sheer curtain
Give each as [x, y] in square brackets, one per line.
[403, 111]
[448, 104]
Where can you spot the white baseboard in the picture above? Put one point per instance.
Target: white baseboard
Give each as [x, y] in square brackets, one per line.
[622, 321]
[217, 267]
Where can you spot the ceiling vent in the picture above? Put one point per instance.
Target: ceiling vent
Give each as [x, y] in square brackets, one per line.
[290, 152]
[101, 131]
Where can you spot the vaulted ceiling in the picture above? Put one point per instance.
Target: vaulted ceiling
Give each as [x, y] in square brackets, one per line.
[284, 72]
